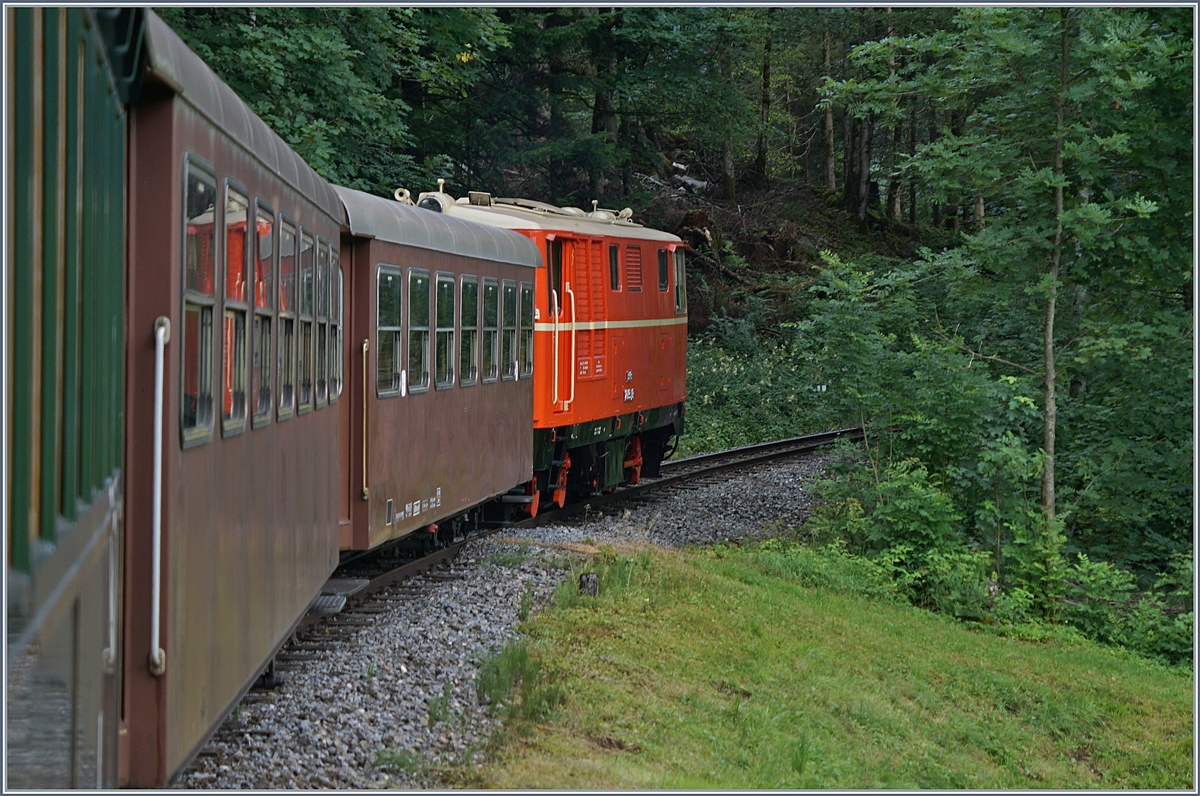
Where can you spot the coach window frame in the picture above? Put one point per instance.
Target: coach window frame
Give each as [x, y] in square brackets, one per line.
[336, 310]
[231, 309]
[425, 374]
[264, 314]
[390, 329]
[304, 353]
[492, 375]
[468, 378]
[286, 406]
[525, 308]
[199, 434]
[508, 330]
[321, 338]
[451, 350]
[680, 282]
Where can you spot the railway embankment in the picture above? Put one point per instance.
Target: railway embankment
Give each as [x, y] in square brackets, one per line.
[717, 654]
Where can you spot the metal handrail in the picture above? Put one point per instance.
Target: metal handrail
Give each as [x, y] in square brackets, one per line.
[574, 338]
[366, 491]
[158, 656]
[554, 315]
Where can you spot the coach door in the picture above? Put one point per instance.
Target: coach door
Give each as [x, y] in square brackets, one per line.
[562, 302]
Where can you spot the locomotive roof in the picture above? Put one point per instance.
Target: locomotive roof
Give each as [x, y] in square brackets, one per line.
[176, 66]
[388, 220]
[530, 214]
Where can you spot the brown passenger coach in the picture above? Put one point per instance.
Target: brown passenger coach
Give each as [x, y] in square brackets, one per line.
[249, 503]
[448, 415]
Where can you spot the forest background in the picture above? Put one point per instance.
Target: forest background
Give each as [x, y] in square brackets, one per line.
[969, 231]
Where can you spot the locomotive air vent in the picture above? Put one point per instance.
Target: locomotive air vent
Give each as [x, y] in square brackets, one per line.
[481, 198]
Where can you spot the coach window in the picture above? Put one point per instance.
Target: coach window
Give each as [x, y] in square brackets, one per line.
[554, 276]
[335, 326]
[663, 270]
[287, 319]
[387, 332]
[614, 266]
[418, 331]
[468, 324]
[233, 406]
[443, 344]
[680, 284]
[508, 337]
[633, 269]
[491, 315]
[526, 350]
[262, 364]
[322, 356]
[304, 353]
[199, 269]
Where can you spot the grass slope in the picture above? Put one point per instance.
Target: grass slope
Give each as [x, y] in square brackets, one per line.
[703, 671]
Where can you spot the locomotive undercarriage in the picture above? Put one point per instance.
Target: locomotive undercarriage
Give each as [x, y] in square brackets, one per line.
[579, 461]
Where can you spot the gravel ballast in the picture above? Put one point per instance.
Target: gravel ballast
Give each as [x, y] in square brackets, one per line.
[328, 724]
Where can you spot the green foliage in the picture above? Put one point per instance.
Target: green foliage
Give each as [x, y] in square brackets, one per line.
[744, 389]
[830, 567]
[513, 681]
[616, 573]
[403, 761]
[439, 706]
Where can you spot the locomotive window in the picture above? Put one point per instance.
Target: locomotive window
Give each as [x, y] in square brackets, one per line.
[680, 284]
[443, 344]
[199, 268]
[418, 331]
[491, 312]
[554, 276]
[287, 319]
[335, 326]
[526, 352]
[262, 364]
[468, 323]
[508, 339]
[304, 345]
[633, 269]
[662, 270]
[322, 355]
[614, 266]
[387, 336]
[233, 395]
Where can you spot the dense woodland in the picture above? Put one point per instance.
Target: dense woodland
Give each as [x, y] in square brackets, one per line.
[968, 230]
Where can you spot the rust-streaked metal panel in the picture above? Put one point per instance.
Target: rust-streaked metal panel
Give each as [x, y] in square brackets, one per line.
[373, 217]
[172, 63]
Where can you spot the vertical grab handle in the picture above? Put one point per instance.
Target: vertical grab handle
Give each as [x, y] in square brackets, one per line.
[574, 337]
[366, 491]
[554, 315]
[158, 656]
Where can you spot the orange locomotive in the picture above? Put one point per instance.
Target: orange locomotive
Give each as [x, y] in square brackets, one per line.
[610, 328]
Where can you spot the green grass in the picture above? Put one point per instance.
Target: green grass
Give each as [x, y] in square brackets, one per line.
[718, 670]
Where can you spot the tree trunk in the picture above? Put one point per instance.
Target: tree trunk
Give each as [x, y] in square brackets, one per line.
[830, 159]
[864, 169]
[759, 175]
[1050, 406]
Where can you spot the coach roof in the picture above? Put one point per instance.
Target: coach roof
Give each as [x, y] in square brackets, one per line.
[388, 220]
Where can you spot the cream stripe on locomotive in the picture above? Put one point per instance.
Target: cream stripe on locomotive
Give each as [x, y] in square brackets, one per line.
[585, 326]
